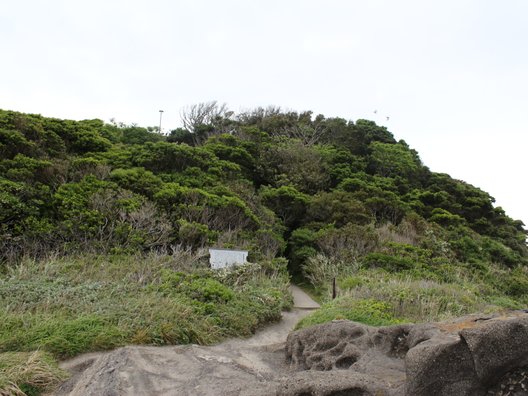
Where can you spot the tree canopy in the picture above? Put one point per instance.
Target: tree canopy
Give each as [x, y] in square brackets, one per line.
[278, 183]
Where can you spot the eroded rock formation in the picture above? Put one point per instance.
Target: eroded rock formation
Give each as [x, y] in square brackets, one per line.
[473, 355]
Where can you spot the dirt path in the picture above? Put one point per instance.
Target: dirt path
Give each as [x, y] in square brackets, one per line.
[301, 299]
[239, 367]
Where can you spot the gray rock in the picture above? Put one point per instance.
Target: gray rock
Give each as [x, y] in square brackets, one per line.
[332, 383]
[498, 346]
[441, 365]
[467, 356]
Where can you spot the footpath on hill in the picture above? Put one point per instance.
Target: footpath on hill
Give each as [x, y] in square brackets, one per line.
[472, 355]
[241, 367]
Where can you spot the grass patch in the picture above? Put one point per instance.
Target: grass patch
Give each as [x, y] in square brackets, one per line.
[28, 373]
[68, 306]
[418, 292]
[369, 311]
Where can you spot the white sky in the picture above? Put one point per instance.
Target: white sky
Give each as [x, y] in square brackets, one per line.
[451, 74]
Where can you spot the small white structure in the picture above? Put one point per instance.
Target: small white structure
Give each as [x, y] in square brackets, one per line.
[221, 258]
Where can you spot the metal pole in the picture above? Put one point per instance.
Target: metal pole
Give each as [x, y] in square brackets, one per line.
[161, 113]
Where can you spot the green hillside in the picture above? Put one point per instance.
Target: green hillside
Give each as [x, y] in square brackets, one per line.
[279, 184]
[102, 228]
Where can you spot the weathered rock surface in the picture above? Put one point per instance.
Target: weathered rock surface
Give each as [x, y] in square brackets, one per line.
[473, 355]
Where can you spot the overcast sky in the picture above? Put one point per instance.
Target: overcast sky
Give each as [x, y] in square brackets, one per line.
[452, 75]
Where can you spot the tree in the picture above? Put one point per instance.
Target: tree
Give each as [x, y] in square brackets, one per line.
[180, 135]
[294, 163]
[288, 203]
[390, 160]
[338, 207]
[208, 114]
[137, 135]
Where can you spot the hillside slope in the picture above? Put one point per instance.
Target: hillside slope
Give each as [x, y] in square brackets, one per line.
[276, 183]
[103, 229]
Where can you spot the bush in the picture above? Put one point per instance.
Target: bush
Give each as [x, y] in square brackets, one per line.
[388, 262]
[445, 218]
[193, 286]
[350, 282]
[368, 311]
[195, 234]
[320, 270]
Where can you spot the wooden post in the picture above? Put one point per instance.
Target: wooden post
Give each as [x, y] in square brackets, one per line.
[334, 293]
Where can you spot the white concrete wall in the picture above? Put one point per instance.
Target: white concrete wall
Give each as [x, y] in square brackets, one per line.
[221, 258]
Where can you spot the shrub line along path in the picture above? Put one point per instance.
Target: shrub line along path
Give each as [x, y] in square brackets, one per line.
[242, 367]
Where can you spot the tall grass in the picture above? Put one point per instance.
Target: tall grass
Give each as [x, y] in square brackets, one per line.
[28, 372]
[414, 300]
[67, 306]
[419, 294]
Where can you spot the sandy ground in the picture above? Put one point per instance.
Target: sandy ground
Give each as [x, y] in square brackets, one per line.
[238, 367]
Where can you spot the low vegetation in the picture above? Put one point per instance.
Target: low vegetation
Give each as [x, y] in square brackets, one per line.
[384, 290]
[28, 373]
[69, 305]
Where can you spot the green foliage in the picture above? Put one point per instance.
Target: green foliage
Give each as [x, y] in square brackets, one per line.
[302, 246]
[89, 141]
[368, 311]
[386, 208]
[167, 157]
[87, 184]
[348, 243]
[73, 205]
[96, 215]
[387, 262]
[320, 270]
[12, 206]
[341, 163]
[180, 135]
[355, 137]
[138, 180]
[512, 283]
[287, 202]
[138, 135]
[195, 234]
[337, 207]
[292, 163]
[232, 149]
[445, 218]
[13, 143]
[419, 285]
[379, 195]
[354, 184]
[217, 212]
[201, 289]
[391, 160]
[30, 134]
[418, 294]
[23, 168]
[63, 336]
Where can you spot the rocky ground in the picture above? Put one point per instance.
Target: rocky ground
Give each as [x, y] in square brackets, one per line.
[475, 355]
